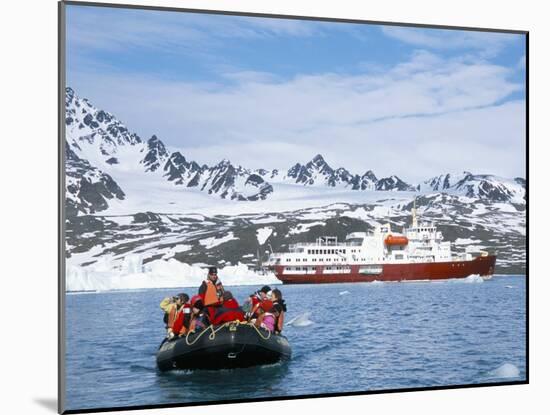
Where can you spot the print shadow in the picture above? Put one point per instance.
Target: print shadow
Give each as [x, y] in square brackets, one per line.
[48, 403]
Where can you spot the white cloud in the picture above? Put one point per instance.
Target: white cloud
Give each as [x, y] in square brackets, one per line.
[489, 43]
[418, 119]
[123, 30]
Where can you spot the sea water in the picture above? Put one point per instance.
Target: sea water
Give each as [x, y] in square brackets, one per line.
[344, 338]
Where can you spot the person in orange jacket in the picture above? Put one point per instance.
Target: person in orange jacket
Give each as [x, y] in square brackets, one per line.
[172, 306]
[211, 289]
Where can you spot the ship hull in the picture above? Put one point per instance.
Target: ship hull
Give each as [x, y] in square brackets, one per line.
[483, 266]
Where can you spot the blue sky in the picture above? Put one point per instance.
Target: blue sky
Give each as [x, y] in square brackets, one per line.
[270, 92]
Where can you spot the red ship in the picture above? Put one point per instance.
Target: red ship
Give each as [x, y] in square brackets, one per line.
[419, 253]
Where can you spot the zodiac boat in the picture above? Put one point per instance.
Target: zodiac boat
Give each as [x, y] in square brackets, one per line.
[227, 346]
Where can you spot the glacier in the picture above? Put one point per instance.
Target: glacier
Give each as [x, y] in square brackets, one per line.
[131, 273]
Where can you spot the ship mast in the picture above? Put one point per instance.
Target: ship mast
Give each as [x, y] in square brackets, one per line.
[414, 221]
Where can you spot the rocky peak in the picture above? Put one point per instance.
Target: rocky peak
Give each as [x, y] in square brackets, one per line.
[393, 183]
[156, 154]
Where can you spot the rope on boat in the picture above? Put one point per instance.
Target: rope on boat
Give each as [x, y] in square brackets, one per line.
[212, 335]
[197, 337]
[260, 333]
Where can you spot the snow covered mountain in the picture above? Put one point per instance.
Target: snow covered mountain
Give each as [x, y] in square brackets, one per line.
[480, 186]
[394, 183]
[183, 172]
[317, 172]
[88, 126]
[101, 152]
[108, 166]
[132, 205]
[88, 188]
[230, 182]
[156, 154]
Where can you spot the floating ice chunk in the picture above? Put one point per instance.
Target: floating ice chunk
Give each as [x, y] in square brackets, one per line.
[344, 292]
[473, 279]
[506, 370]
[302, 320]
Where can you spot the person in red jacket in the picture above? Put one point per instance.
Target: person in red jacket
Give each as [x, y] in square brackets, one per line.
[229, 310]
[182, 322]
[253, 302]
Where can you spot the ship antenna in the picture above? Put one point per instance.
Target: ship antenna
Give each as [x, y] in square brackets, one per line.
[414, 221]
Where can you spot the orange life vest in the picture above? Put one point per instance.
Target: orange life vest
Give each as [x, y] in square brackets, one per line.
[172, 316]
[211, 294]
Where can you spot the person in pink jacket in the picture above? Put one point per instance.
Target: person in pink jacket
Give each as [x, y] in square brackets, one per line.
[266, 319]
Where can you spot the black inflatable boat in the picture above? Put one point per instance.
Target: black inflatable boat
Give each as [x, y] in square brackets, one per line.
[226, 346]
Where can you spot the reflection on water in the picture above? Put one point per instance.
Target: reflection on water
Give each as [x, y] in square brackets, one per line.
[223, 384]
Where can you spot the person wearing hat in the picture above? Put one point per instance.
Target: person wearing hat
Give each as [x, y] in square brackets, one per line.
[171, 307]
[254, 300]
[211, 289]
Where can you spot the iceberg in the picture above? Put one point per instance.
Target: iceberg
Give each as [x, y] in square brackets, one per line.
[131, 273]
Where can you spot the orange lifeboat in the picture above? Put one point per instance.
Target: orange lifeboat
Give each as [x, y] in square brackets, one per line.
[396, 240]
